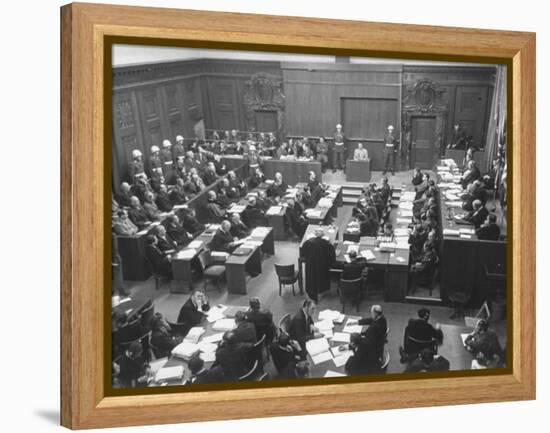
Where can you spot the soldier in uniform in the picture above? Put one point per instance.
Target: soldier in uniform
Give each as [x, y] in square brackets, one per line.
[167, 160]
[339, 149]
[136, 166]
[155, 163]
[390, 148]
[178, 149]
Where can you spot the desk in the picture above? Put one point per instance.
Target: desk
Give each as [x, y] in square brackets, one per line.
[181, 266]
[237, 266]
[277, 222]
[358, 171]
[292, 171]
[132, 307]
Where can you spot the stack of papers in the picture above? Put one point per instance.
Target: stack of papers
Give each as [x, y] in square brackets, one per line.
[224, 325]
[214, 338]
[450, 232]
[194, 334]
[368, 254]
[207, 347]
[352, 327]
[274, 210]
[219, 254]
[340, 357]
[259, 232]
[316, 346]
[312, 213]
[466, 231]
[185, 350]
[216, 313]
[187, 253]
[387, 246]
[341, 337]
[169, 373]
[325, 202]
[332, 315]
[195, 244]
[324, 325]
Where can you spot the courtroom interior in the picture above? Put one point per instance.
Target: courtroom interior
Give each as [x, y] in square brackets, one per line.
[283, 216]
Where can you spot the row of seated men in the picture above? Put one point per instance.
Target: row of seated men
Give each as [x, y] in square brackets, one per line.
[288, 346]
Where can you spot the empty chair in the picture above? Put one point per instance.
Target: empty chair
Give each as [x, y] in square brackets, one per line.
[459, 298]
[251, 374]
[287, 276]
[350, 291]
[211, 271]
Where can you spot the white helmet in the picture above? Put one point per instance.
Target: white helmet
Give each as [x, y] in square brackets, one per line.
[166, 143]
[179, 138]
[135, 153]
[154, 149]
[390, 127]
[338, 126]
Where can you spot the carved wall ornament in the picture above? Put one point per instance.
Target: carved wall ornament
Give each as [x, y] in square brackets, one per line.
[264, 92]
[424, 95]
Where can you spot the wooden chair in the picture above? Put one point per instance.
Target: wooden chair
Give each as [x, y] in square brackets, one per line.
[256, 353]
[385, 361]
[350, 290]
[284, 323]
[251, 374]
[264, 377]
[287, 276]
[210, 271]
[146, 315]
[459, 299]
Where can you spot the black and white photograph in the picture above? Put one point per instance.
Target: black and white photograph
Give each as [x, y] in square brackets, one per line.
[284, 217]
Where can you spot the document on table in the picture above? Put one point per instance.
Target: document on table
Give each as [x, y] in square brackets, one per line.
[342, 359]
[224, 325]
[274, 210]
[368, 254]
[321, 357]
[450, 232]
[317, 346]
[195, 244]
[194, 334]
[187, 253]
[352, 327]
[214, 338]
[217, 310]
[324, 325]
[313, 213]
[208, 356]
[185, 350]
[342, 337]
[207, 347]
[332, 315]
[331, 373]
[169, 373]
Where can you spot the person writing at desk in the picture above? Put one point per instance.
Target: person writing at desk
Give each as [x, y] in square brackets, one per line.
[360, 154]
[223, 240]
[484, 344]
[193, 311]
[301, 326]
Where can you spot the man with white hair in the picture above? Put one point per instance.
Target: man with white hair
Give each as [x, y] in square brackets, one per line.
[135, 167]
[377, 329]
[390, 148]
[278, 188]
[223, 240]
[339, 149]
[319, 256]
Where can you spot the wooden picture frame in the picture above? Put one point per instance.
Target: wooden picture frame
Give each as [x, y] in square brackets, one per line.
[84, 233]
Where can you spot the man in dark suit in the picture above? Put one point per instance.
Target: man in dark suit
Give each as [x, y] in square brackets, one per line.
[164, 243]
[232, 356]
[200, 375]
[301, 326]
[178, 195]
[254, 215]
[223, 240]
[262, 319]
[137, 213]
[319, 256]
[478, 215]
[285, 354]
[238, 229]
[420, 334]
[376, 332]
[427, 362]
[245, 331]
[353, 269]
[417, 177]
[123, 198]
[190, 222]
[175, 230]
[278, 188]
[365, 359]
[160, 262]
[193, 311]
[489, 231]
[210, 176]
[215, 210]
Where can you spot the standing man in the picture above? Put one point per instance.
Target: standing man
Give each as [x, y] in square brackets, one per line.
[339, 149]
[322, 151]
[136, 166]
[167, 160]
[390, 148]
[319, 256]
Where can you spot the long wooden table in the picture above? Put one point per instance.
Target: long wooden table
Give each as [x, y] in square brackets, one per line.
[292, 171]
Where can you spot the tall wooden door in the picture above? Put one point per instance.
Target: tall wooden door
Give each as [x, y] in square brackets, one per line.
[266, 121]
[423, 140]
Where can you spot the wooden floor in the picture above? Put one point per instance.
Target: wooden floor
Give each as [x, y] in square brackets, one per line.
[265, 287]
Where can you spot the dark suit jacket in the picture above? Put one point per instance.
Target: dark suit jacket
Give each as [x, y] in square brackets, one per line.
[138, 216]
[214, 375]
[354, 269]
[245, 333]
[420, 330]
[283, 357]
[263, 321]
[239, 230]
[158, 260]
[233, 359]
[300, 329]
[166, 244]
[376, 332]
[490, 232]
[477, 218]
[277, 190]
[221, 241]
[163, 202]
[190, 315]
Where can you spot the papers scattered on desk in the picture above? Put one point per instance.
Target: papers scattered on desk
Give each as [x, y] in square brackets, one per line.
[401, 232]
[332, 315]
[407, 205]
[321, 357]
[456, 203]
[317, 346]
[214, 338]
[331, 373]
[219, 254]
[312, 213]
[169, 373]
[341, 360]
[466, 231]
[341, 337]
[274, 210]
[352, 327]
[224, 325]
[387, 246]
[324, 325]
[185, 350]
[208, 356]
[188, 253]
[450, 232]
[237, 208]
[206, 347]
[259, 232]
[462, 236]
[368, 254]
[194, 334]
[214, 317]
[325, 202]
[195, 244]
[157, 364]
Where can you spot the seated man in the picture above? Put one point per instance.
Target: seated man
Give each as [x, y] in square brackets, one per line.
[245, 331]
[425, 264]
[215, 211]
[470, 174]
[235, 182]
[175, 230]
[122, 225]
[417, 177]
[238, 229]
[232, 356]
[360, 153]
[387, 232]
[365, 358]
[301, 326]
[201, 375]
[256, 179]
[134, 371]
[190, 222]
[125, 194]
[161, 336]
[209, 176]
[153, 212]
[427, 362]
[160, 262]
[254, 215]
[278, 188]
[286, 353]
[137, 214]
[377, 328]
[165, 244]
[178, 195]
[262, 319]
[385, 191]
[483, 343]
[354, 269]
[296, 219]
[193, 311]
[419, 334]
[223, 240]
[477, 216]
[163, 199]
[489, 231]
